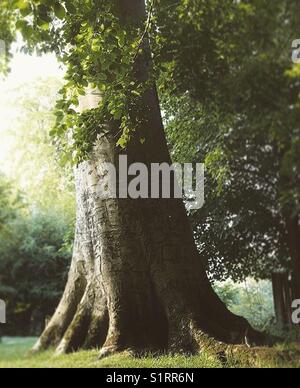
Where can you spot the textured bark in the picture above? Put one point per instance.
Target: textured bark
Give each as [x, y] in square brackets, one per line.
[137, 281]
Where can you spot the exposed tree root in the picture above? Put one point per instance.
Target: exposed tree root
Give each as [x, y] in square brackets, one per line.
[90, 327]
[66, 310]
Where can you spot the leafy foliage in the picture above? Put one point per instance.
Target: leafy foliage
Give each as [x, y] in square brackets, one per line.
[37, 226]
[250, 299]
[34, 161]
[99, 51]
[231, 97]
[33, 269]
[7, 35]
[10, 202]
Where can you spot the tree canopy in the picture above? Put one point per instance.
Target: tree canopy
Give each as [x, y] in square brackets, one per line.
[232, 100]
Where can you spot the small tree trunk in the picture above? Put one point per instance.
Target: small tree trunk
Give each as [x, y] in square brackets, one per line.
[282, 292]
[136, 280]
[293, 239]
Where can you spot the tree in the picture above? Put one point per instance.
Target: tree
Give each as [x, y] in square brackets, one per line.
[36, 226]
[240, 231]
[10, 203]
[136, 280]
[236, 96]
[32, 148]
[33, 268]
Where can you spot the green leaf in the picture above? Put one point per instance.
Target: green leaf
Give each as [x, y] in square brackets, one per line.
[21, 25]
[43, 12]
[26, 10]
[122, 142]
[22, 4]
[59, 11]
[70, 7]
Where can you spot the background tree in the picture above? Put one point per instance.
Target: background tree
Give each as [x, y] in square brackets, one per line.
[10, 202]
[36, 226]
[33, 266]
[33, 150]
[233, 102]
[9, 205]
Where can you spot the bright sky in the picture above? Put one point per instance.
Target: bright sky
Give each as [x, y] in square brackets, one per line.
[24, 69]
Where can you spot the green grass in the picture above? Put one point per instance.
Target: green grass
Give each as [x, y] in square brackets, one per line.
[14, 354]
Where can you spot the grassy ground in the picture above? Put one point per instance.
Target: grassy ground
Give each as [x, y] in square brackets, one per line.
[14, 354]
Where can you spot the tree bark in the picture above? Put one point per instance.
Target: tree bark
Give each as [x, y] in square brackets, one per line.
[283, 297]
[136, 281]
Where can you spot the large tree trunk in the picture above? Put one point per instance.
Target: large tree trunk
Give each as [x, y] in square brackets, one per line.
[136, 280]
